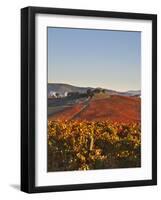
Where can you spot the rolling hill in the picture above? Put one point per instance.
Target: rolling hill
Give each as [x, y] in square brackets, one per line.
[62, 88]
[114, 108]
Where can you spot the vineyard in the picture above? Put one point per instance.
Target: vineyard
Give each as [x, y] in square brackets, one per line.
[87, 145]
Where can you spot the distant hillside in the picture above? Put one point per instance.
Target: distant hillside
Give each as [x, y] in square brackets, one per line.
[134, 92]
[61, 88]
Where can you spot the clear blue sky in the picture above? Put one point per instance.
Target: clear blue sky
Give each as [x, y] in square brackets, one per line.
[95, 58]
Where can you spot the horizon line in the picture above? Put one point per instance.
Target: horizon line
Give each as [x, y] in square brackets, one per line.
[95, 87]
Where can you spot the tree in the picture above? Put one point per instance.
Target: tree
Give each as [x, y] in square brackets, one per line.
[88, 92]
[57, 95]
[97, 90]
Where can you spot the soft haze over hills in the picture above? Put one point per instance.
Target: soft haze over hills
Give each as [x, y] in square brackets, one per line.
[62, 88]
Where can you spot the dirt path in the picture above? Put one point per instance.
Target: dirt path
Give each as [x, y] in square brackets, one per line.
[81, 111]
[71, 112]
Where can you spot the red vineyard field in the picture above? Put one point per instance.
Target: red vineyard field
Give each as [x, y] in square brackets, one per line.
[115, 108]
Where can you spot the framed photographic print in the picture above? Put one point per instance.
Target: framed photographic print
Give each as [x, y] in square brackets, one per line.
[88, 99]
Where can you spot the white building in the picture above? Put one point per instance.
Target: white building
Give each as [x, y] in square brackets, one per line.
[57, 95]
[52, 94]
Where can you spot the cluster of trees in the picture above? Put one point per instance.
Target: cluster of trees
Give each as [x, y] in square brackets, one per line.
[88, 93]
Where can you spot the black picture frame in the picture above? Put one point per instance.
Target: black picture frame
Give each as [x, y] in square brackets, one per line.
[28, 98]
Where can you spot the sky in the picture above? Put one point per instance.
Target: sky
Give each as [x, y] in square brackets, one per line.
[95, 58]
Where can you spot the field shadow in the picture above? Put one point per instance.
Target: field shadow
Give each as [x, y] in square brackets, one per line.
[15, 186]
